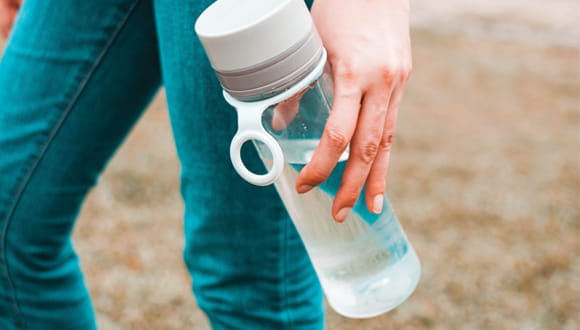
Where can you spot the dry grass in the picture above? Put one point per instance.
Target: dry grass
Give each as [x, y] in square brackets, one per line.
[485, 178]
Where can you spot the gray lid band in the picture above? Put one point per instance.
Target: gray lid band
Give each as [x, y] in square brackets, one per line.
[276, 74]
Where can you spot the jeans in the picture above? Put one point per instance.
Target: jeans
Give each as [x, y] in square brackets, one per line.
[74, 78]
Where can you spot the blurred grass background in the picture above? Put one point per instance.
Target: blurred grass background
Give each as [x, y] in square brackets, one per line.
[485, 178]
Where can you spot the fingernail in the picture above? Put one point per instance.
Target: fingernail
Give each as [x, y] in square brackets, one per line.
[304, 188]
[378, 203]
[342, 214]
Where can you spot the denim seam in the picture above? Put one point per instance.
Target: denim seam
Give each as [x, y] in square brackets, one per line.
[20, 190]
[285, 272]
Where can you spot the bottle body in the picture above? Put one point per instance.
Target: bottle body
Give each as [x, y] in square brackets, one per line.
[366, 264]
[271, 63]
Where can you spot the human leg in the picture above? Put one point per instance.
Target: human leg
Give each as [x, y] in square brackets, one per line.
[74, 78]
[250, 269]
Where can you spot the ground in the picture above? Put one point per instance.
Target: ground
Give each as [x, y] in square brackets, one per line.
[485, 179]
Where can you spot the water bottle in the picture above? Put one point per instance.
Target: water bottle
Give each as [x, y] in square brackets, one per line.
[272, 66]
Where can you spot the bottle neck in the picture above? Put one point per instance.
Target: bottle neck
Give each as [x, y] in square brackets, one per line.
[268, 100]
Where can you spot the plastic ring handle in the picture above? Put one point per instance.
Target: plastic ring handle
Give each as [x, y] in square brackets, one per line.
[242, 137]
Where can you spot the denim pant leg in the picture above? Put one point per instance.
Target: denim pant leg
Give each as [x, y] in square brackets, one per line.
[250, 269]
[74, 77]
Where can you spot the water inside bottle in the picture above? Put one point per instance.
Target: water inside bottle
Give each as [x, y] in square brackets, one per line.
[365, 264]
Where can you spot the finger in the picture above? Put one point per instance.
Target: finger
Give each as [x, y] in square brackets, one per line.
[4, 22]
[376, 181]
[11, 3]
[7, 14]
[285, 111]
[337, 133]
[363, 150]
[3, 18]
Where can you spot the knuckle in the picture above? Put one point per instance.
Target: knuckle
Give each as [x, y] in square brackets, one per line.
[316, 175]
[386, 143]
[394, 72]
[406, 71]
[387, 73]
[368, 151]
[345, 75]
[345, 71]
[336, 138]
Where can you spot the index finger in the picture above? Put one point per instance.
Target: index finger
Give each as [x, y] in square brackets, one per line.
[337, 134]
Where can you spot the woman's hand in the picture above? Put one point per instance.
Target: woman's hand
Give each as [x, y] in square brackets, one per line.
[369, 49]
[8, 10]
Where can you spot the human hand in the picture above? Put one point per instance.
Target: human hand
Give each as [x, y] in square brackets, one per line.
[369, 49]
[8, 10]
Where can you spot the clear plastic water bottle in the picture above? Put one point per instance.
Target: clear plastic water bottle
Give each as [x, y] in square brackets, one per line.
[271, 63]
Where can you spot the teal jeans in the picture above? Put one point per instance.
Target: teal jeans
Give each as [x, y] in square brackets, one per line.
[74, 78]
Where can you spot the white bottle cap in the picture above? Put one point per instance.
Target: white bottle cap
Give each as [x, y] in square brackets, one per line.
[259, 47]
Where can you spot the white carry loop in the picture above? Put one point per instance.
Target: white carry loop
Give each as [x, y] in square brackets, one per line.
[250, 128]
